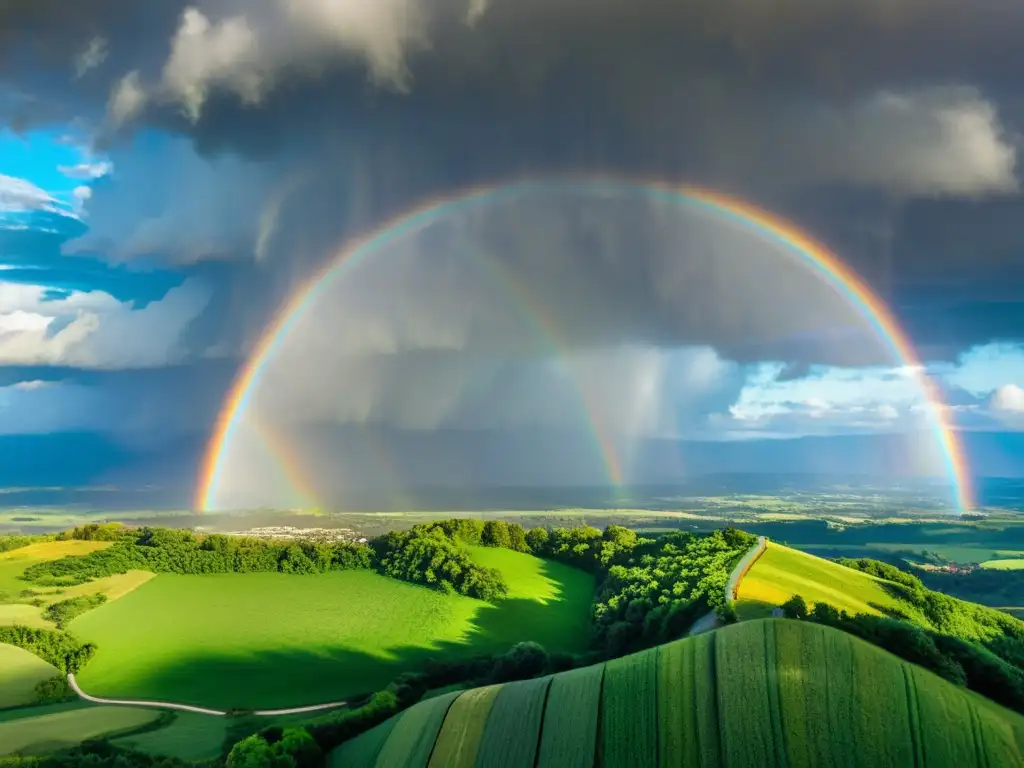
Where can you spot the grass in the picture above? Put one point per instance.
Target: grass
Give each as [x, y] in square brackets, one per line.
[46, 733]
[512, 730]
[569, 735]
[629, 715]
[758, 693]
[782, 572]
[952, 552]
[411, 741]
[14, 563]
[463, 728]
[1004, 565]
[268, 640]
[20, 671]
[533, 581]
[189, 736]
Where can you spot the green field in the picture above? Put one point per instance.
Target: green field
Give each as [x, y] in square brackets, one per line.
[1004, 565]
[268, 640]
[952, 552]
[782, 572]
[760, 693]
[14, 563]
[189, 736]
[20, 671]
[47, 729]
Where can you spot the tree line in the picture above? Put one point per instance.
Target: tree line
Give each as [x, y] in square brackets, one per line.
[64, 651]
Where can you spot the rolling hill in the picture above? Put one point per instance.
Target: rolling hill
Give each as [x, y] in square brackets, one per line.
[759, 693]
[782, 572]
[264, 640]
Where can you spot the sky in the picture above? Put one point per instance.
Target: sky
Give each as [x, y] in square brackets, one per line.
[172, 174]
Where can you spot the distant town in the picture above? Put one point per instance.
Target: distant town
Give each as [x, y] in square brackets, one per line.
[307, 534]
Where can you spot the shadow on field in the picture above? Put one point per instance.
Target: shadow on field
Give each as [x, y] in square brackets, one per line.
[294, 677]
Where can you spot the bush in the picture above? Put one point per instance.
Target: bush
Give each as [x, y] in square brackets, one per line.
[65, 652]
[63, 611]
[795, 608]
[53, 690]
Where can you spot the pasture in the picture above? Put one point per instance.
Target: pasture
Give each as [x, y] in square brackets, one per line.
[20, 671]
[49, 729]
[782, 572]
[751, 694]
[269, 640]
[14, 563]
[1004, 565]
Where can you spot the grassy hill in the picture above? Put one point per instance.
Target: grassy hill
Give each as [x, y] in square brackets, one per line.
[44, 730]
[20, 672]
[266, 640]
[14, 563]
[782, 572]
[759, 693]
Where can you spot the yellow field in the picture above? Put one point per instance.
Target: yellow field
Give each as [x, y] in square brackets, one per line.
[782, 572]
[14, 563]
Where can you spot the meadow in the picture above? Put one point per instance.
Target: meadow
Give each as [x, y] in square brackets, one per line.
[782, 572]
[44, 730]
[766, 692]
[20, 671]
[269, 640]
[14, 563]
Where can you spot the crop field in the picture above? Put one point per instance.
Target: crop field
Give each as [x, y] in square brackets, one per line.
[61, 727]
[1004, 565]
[189, 736]
[952, 552]
[267, 640]
[760, 693]
[14, 563]
[782, 572]
[20, 671]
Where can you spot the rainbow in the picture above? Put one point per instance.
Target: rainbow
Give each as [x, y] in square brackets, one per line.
[300, 483]
[841, 278]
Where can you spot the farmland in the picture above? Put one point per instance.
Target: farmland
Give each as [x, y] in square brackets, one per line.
[14, 562]
[751, 694]
[20, 671]
[49, 729]
[781, 573]
[263, 640]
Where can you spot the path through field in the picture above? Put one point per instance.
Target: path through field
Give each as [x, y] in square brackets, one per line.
[710, 620]
[201, 710]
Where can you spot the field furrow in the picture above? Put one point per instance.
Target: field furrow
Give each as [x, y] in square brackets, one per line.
[410, 743]
[705, 689]
[913, 715]
[779, 732]
[512, 731]
[459, 739]
[744, 709]
[801, 674]
[996, 737]
[840, 706]
[938, 704]
[677, 708]
[882, 718]
[630, 714]
[569, 736]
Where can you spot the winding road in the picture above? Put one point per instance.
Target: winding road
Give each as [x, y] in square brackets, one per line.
[710, 620]
[201, 710]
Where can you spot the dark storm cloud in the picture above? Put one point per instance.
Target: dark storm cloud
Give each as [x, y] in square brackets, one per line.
[793, 104]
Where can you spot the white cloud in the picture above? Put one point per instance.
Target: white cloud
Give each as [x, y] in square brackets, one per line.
[93, 329]
[931, 141]
[1007, 405]
[127, 99]
[87, 171]
[94, 54]
[244, 52]
[22, 196]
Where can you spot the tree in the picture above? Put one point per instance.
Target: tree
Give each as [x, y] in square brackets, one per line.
[795, 608]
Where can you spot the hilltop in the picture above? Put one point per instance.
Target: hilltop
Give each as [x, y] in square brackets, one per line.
[761, 693]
